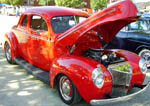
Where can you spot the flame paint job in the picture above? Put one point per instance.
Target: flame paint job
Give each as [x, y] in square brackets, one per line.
[51, 51]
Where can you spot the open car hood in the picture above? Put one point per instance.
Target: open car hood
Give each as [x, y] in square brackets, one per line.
[107, 22]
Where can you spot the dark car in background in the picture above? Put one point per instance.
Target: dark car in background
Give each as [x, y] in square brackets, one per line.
[135, 37]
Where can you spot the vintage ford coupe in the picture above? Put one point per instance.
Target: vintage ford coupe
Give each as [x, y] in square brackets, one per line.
[64, 47]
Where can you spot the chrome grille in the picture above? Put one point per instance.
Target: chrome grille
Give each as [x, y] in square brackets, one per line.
[121, 79]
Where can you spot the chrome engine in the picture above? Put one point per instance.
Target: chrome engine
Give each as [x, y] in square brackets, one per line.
[100, 56]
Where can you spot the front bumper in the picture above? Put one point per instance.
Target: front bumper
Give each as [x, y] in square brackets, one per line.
[118, 99]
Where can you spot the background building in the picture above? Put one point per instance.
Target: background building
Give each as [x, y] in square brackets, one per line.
[30, 2]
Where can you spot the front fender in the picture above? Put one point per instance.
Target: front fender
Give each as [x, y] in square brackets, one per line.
[12, 40]
[79, 70]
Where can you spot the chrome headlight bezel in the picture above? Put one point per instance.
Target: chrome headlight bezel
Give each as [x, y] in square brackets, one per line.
[143, 66]
[98, 77]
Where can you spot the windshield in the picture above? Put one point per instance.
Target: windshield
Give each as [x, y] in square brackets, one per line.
[143, 25]
[61, 24]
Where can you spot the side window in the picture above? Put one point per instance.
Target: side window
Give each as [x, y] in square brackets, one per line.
[25, 20]
[134, 26]
[38, 23]
[141, 25]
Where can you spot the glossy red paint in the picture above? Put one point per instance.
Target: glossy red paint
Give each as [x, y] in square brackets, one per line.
[52, 11]
[79, 70]
[62, 53]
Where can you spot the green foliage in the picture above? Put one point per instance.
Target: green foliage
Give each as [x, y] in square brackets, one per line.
[13, 2]
[70, 3]
[5, 1]
[16, 2]
[124, 68]
[98, 4]
[44, 2]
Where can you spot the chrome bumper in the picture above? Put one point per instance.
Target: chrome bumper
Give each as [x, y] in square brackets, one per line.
[118, 99]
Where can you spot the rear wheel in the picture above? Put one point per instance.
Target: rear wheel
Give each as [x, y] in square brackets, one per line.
[8, 53]
[67, 90]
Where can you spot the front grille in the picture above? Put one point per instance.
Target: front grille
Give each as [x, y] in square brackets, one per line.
[121, 78]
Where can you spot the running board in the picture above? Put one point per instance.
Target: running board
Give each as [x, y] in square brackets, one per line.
[39, 73]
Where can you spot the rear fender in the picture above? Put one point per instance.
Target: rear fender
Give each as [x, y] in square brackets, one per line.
[79, 70]
[12, 40]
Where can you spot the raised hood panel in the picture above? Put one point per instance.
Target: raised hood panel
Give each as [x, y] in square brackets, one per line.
[107, 22]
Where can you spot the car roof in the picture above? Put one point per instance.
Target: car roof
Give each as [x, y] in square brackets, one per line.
[52, 11]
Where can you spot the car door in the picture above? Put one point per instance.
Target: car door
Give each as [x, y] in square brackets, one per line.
[39, 43]
[21, 33]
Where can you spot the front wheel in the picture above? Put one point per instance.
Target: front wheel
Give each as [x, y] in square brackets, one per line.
[145, 54]
[67, 90]
[8, 53]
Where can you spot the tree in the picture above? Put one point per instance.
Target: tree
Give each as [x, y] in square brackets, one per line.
[46, 2]
[13, 2]
[5, 1]
[70, 3]
[98, 4]
[16, 2]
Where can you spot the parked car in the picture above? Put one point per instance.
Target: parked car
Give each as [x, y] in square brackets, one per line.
[135, 37]
[61, 46]
[10, 10]
[2, 5]
[2, 10]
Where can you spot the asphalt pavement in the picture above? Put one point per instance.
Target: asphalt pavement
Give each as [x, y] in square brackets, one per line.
[18, 88]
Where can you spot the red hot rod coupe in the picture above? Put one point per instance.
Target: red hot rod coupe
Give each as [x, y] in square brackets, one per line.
[65, 48]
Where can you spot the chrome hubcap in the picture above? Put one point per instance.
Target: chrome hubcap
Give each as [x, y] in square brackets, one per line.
[65, 88]
[8, 52]
[146, 56]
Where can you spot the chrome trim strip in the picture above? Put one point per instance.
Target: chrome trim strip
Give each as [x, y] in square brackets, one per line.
[38, 37]
[119, 99]
[34, 36]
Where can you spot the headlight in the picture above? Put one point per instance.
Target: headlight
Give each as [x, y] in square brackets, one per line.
[98, 77]
[143, 66]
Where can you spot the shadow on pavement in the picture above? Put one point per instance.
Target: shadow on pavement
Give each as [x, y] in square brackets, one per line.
[18, 88]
